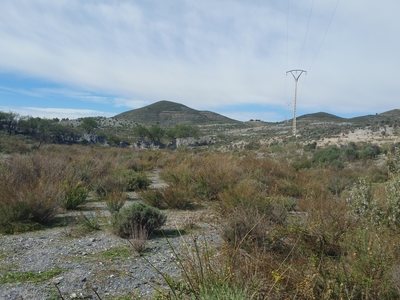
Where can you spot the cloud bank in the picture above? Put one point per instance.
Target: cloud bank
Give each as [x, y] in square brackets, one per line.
[208, 54]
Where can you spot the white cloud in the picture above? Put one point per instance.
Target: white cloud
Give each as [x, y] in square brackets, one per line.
[207, 54]
[51, 113]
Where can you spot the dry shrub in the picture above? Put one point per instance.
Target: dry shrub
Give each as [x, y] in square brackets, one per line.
[203, 176]
[115, 201]
[173, 197]
[138, 238]
[247, 193]
[250, 229]
[153, 197]
[206, 274]
[30, 189]
[108, 184]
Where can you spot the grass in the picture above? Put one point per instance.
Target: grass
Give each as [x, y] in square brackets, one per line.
[307, 229]
[21, 277]
[116, 253]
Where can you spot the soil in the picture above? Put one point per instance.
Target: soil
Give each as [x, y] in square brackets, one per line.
[86, 261]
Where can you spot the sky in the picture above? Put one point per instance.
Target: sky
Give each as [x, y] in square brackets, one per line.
[76, 58]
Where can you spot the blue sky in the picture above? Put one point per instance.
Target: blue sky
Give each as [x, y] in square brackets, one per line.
[74, 58]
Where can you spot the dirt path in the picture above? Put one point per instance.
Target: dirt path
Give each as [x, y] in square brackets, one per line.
[78, 262]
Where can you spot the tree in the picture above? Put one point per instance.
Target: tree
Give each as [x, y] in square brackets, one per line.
[182, 131]
[156, 133]
[8, 121]
[89, 125]
[141, 132]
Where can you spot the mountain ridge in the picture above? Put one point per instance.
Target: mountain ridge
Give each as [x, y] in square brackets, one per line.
[170, 113]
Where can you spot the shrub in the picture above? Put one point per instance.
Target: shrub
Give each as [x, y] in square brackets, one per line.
[176, 197]
[115, 201]
[370, 151]
[108, 184]
[326, 156]
[136, 181]
[154, 197]
[247, 193]
[139, 237]
[135, 216]
[173, 196]
[393, 201]
[248, 228]
[30, 190]
[75, 194]
[362, 201]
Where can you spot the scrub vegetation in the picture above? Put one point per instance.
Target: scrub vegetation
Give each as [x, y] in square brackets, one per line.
[296, 221]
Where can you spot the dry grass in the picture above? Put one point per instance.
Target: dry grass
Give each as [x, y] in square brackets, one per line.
[287, 233]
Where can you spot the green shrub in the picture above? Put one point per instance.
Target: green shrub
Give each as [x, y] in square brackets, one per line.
[362, 201]
[136, 181]
[302, 163]
[74, 195]
[370, 151]
[327, 155]
[135, 216]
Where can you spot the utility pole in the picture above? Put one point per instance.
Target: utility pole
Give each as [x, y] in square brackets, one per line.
[296, 76]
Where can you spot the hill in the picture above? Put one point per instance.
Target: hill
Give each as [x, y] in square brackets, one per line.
[320, 117]
[169, 113]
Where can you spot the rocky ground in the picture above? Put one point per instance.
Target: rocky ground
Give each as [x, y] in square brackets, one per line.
[81, 263]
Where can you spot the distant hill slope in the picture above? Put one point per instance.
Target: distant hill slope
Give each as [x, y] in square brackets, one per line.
[321, 117]
[388, 117]
[169, 113]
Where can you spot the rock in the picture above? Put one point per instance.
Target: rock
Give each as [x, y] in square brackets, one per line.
[57, 280]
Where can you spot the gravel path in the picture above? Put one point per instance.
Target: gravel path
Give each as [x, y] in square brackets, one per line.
[98, 259]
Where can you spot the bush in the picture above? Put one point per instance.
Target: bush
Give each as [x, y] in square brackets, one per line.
[74, 195]
[247, 193]
[173, 196]
[108, 184]
[30, 190]
[154, 197]
[115, 201]
[176, 197]
[327, 155]
[370, 151]
[137, 215]
[136, 181]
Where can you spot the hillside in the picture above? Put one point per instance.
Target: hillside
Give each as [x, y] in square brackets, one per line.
[320, 117]
[167, 113]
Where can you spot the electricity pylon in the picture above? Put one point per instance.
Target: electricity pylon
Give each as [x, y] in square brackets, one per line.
[296, 76]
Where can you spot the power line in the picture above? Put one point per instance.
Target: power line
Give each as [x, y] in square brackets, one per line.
[285, 88]
[307, 29]
[325, 34]
[287, 33]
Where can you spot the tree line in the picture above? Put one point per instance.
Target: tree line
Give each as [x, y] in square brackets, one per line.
[55, 131]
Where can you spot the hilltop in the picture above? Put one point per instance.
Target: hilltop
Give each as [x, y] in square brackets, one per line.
[320, 117]
[167, 113]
